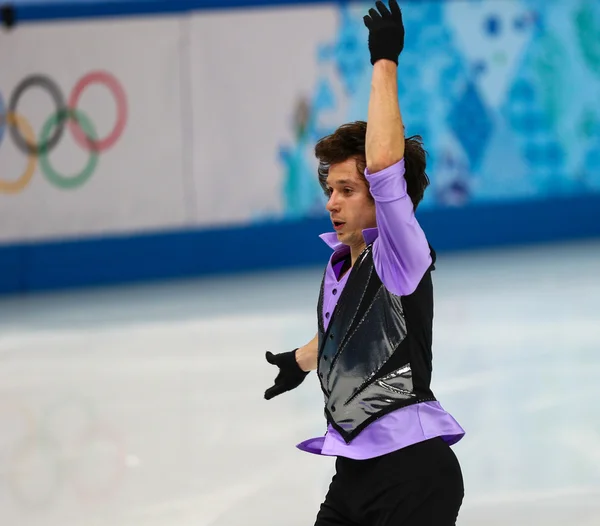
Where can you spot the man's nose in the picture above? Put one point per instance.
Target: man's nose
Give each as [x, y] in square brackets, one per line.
[332, 203]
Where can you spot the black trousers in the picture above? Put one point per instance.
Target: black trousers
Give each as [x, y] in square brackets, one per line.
[420, 485]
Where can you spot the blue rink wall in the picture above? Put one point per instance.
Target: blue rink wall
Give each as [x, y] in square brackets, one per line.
[114, 260]
[528, 170]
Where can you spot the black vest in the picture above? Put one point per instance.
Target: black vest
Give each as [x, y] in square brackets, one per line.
[375, 356]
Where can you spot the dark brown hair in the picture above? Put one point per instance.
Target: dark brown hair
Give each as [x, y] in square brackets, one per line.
[348, 141]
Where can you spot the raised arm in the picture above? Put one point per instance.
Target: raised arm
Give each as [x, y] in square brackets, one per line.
[385, 130]
[401, 252]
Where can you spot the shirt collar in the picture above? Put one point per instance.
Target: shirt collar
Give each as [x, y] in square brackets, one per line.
[330, 238]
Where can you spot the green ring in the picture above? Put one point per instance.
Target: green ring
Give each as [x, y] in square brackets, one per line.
[61, 180]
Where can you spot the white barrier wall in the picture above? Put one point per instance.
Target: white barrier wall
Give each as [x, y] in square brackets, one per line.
[185, 136]
[248, 72]
[126, 78]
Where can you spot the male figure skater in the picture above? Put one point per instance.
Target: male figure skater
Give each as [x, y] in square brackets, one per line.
[372, 351]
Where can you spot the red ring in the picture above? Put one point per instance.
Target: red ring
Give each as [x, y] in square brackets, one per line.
[119, 94]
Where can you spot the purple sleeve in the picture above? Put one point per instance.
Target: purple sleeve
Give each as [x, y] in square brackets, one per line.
[401, 253]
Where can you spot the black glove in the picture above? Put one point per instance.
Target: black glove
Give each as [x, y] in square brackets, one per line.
[386, 32]
[290, 375]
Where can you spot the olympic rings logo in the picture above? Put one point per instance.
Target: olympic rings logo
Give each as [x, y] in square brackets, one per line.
[80, 125]
[65, 446]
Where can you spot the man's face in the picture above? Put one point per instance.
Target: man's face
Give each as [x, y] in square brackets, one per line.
[350, 204]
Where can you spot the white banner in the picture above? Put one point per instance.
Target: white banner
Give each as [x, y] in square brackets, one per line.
[121, 80]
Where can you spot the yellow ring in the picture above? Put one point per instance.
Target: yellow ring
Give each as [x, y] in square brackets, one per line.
[12, 187]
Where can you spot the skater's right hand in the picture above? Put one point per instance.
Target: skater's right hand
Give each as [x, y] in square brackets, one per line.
[290, 374]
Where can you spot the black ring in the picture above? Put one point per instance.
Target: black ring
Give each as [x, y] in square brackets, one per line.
[54, 90]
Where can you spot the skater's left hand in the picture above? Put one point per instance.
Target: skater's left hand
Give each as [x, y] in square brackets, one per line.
[386, 32]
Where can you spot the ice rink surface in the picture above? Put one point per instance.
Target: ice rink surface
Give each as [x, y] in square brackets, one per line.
[144, 405]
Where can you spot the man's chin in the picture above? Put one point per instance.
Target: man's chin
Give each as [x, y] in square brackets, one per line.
[341, 235]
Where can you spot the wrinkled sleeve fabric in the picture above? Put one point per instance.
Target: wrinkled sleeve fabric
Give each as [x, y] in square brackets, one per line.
[401, 252]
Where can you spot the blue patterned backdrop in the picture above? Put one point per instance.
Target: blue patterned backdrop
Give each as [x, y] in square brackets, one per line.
[506, 96]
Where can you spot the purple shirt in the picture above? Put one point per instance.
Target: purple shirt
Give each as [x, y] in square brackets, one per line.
[401, 256]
